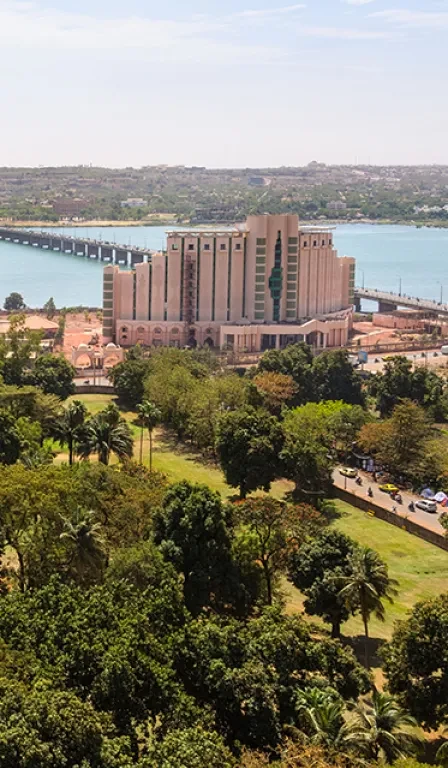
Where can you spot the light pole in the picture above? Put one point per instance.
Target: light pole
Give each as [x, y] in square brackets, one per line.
[399, 284]
[441, 291]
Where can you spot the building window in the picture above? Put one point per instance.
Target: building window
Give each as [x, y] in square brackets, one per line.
[174, 331]
[175, 247]
[208, 331]
[314, 243]
[237, 246]
[191, 246]
[260, 269]
[259, 315]
[290, 294]
[223, 246]
[259, 279]
[261, 241]
[259, 305]
[108, 278]
[330, 242]
[261, 251]
[108, 304]
[290, 304]
[323, 242]
[157, 330]
[292, 240]
[140, 330]
[305, 243]
[206, 246]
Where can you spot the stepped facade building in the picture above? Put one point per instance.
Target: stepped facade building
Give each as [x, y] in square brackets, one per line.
[259, 285]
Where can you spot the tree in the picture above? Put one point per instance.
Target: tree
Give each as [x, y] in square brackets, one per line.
[275, 390]
[86, 558]
[14, 302]
[191, 531]
[322, 716]
[16, 350]
[189, 748]
[273, 527]
[315, 568]
[384, 729]
[47, 727]
[10, 443]
[399, 381]
[295, 361]
[50, 308]
[54, 375]
[334, 378]
[68, 427]
[416, 662]
[306, 457]
[248, 444]
[104, 434]
[399, 443]
[149, 416]
[365, 588]
[128, 379]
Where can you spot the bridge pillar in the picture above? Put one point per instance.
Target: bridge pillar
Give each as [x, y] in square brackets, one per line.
[137, 258]
[386, 306]
[357, 304]
[121, 256]
[106, 254]
[92, 251]
[56, 243]
[79, 248]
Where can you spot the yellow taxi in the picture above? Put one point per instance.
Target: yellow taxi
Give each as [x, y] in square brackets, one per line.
[388, 488]
[348, 471]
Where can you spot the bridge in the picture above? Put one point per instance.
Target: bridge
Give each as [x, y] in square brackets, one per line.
[104, 251]
[388, 302]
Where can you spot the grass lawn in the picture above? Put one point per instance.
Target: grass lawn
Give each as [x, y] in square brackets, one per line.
[421, 569]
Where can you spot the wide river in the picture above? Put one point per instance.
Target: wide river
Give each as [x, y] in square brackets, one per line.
[384, 255]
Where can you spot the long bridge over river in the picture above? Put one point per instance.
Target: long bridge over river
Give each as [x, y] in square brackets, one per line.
[388, 301]
[109, 253]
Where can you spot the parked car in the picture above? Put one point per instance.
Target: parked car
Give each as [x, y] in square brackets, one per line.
[388, 488]
[348, 471]
[426, 505]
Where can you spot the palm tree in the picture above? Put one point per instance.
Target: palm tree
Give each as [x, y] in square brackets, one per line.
[67, 428]
[325, 721]
[367, 584]
[442, 752]
[383, 729]
[149, 416]
[104, 434]
[86, 543]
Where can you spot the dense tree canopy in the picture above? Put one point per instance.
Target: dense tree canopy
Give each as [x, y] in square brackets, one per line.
[416, 661]
[54, 375]
[248, 443]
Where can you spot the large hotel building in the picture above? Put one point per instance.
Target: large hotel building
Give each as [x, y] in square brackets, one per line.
[260, 285]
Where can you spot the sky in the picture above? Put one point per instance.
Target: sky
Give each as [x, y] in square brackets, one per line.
[223, 83]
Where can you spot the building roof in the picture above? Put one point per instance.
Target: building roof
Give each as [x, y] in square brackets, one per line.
[32, 323]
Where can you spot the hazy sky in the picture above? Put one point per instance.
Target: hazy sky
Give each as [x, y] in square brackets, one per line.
[223, 82]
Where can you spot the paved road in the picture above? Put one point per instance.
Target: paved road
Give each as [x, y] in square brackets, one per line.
[414, 356]
[425, 519]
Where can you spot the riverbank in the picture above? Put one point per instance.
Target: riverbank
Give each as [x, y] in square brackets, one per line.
[170, 220]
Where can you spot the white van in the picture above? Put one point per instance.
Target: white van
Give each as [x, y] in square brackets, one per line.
[444, 350]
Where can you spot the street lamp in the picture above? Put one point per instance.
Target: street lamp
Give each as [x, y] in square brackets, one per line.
[441, 291]
[399, 283]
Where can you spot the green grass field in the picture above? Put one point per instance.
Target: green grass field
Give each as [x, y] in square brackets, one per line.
[421, 569]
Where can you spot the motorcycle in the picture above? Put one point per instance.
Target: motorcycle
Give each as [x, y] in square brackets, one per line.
[370, 493]
[358, 480]
[398, 498]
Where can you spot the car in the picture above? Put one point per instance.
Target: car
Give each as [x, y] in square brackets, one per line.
[348, 472]
[426, 505]
[388, 488]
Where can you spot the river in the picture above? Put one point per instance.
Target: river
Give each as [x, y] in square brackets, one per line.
[385, 256]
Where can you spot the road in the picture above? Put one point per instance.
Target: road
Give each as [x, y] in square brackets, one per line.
[418, 357]
[425, 519]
